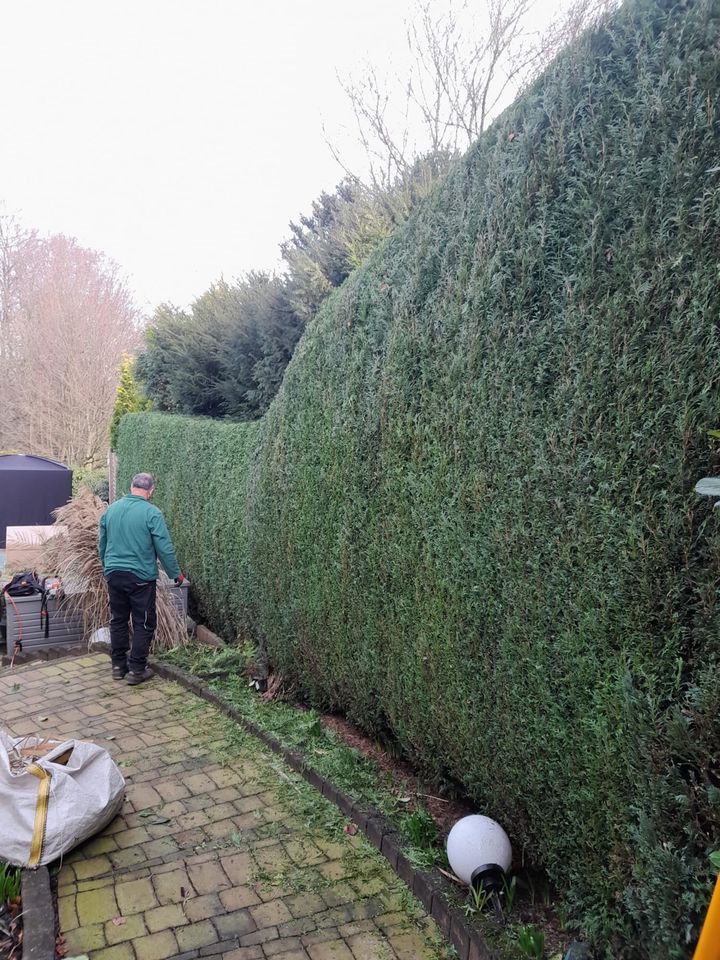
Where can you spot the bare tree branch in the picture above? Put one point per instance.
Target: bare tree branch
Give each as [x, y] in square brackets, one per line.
[462, 71]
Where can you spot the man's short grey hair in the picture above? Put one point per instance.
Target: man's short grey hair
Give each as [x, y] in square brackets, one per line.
[143, 481]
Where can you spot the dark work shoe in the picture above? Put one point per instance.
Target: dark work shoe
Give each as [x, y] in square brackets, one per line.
[118, 673]
[134, 678]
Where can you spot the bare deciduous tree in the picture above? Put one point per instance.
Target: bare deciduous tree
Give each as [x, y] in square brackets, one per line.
[462, 70]
[66, 321]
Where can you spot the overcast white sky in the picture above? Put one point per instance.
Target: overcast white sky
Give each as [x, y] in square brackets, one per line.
[179, 137]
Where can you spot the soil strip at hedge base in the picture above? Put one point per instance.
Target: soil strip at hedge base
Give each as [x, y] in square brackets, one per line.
[430, 887]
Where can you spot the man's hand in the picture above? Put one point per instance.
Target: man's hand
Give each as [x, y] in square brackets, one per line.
[180, 580]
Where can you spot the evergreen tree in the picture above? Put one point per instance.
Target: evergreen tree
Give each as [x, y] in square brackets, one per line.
[129, 399]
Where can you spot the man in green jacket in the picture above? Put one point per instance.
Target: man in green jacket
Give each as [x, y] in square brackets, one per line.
[133, 537]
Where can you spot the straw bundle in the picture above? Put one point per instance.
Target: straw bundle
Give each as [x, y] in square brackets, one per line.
[73, 556]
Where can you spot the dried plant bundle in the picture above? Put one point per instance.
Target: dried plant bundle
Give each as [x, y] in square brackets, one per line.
[73, 556]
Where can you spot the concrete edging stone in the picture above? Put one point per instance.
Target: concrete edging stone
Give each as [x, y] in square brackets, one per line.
[430, 887]
[38, 915]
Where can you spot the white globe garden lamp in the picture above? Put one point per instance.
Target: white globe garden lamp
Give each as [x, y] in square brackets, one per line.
[479, 852]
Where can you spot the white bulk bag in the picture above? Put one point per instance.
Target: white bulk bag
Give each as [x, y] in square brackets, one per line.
[51, 805]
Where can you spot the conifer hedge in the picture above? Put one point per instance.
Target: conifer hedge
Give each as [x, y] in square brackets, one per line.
[468, 517]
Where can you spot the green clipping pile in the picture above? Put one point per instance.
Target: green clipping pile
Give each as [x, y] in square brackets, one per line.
[468, 517]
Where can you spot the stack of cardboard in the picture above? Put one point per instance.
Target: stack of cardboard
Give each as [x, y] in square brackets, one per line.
[24, 546]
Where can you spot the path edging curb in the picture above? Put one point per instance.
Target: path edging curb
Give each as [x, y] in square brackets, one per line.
[430, 887]
[38, 915]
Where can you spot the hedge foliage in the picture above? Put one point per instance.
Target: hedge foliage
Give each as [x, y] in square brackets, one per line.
[468, 517]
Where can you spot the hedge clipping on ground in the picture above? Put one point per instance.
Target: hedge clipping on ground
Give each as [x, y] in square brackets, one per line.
[468, 517]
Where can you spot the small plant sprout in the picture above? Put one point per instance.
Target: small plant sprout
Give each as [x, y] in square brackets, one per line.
[479, 899]
[9, 883]
[509, 890]
[531, 942]
[420, 829]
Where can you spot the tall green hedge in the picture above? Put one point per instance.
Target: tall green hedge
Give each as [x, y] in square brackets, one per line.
[201, 469]
[468, 518]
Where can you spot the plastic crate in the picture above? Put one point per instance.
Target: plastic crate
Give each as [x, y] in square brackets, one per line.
[24, 623]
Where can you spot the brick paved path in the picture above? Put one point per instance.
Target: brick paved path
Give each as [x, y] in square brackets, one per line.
[220, 850]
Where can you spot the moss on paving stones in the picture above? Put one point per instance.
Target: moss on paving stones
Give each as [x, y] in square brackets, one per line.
[128, 916]
[348, 769]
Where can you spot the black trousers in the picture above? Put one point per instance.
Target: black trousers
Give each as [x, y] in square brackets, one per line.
[130, 596]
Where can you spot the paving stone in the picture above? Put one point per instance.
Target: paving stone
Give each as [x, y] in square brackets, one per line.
[187, 839]
[331, 950]
[332, 850]
[198, 802]
[389, 921]
[339, 893]
[237, 867]
[157, 946]
[222, 811]
[133, 837]
[131, 928]
[192, 820]
[368, 887]
[93, 867]
[369, 946]
[121, 951]
[196, 935]
[409, 946]
[67, 914]
[160, 848]
[89, 937]
[207, 877]
[320, 936]
[172, 791]
[226, 795]
[274, 947]
[174, 809]
[259, 936]
[99, 845]
[299, 927]
[354, 927]
[224, 777]
[238, 897]
[96, 906]
[334, 870]
[305, 904]
[235, 924]
[135, 896]
[270, 914]
[165, 918]
[143, 797]
[202, 908]
[169, 886]
[200, 783]
[272, 858]
[126, 858]
[304, 852]
[246, 821]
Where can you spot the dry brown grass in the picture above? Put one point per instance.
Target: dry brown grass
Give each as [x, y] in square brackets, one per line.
[73, 556]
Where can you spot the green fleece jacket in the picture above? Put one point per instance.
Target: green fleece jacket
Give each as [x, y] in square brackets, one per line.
[133, 537]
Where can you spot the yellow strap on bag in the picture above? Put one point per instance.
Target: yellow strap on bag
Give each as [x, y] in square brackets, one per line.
[41, 812]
